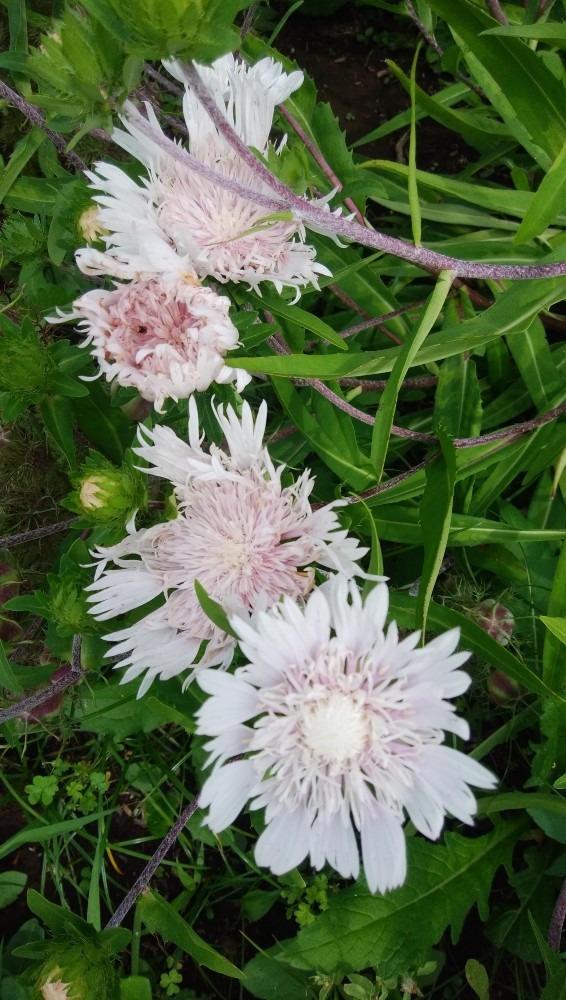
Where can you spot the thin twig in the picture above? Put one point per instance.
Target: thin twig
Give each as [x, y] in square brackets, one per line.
[321, 219]
[27, 636]
[35, 116]
[9, 541]
[142, 882]
[557, 920]
[26, 705]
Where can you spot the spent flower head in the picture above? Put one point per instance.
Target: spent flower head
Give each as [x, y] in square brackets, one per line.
[243, 535]
[341, 726]
[178, 222]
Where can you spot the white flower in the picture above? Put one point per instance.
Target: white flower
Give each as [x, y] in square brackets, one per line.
[175, 221]
[242, 534]
[167, 339]
[341, 726]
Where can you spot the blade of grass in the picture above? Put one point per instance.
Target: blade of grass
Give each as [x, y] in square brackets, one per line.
[415, 340]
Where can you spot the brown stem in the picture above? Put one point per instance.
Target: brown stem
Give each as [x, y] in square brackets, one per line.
[424, 32]
[248, 20]
[318, 217]
[163, 81]
[557, 920]
[144, 879]
[497, 12]
[378, 385]
[9, 541]
[320, 159]
[35, 116]
[26, 705]
[383, 487]
[369, 320]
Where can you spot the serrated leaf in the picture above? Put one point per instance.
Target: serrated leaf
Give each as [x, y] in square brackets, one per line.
[444, 882]
[161, 918]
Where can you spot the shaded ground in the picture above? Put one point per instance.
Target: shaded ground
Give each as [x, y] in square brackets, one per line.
[346, 53]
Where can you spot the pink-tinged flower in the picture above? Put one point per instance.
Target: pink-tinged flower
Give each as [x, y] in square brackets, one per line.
[341, 727]
[166, 339]
[175, 221]
[244, 536]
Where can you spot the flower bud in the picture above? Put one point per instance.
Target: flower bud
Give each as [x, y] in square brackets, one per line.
[54, 989]
[89, 224]
[495, 619]
[77, 970]
[105, 494]
[503, 689]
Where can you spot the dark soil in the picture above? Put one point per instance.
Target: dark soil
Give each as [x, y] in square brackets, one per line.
[345, 54]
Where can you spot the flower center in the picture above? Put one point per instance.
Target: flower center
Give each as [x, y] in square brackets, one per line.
[336, 729]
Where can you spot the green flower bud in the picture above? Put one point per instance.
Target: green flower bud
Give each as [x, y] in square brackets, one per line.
[77, 970]
[105, 494]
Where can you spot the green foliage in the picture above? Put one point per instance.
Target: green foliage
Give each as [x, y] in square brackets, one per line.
[187, 29]
[358, 928]
[459, 527]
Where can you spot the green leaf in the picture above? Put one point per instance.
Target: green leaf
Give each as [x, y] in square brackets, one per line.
[511, 313]
[161, 918]
[526, 94]
[268, 979]
[551, 33]
[407, 353]
[435, 513]
[536, 364]
[213, 610]
[557, 626]
[477, 978]
[11, 885]
[553, 649]
[299, 317]
[57, 416]
[59, 919]
[135, 988]
[39, 834]
[107, 428]
[444, 882]
[547, 203]
[457, 404]
[323, 443]
[23, 152]
[8, 679]
[510, 927]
